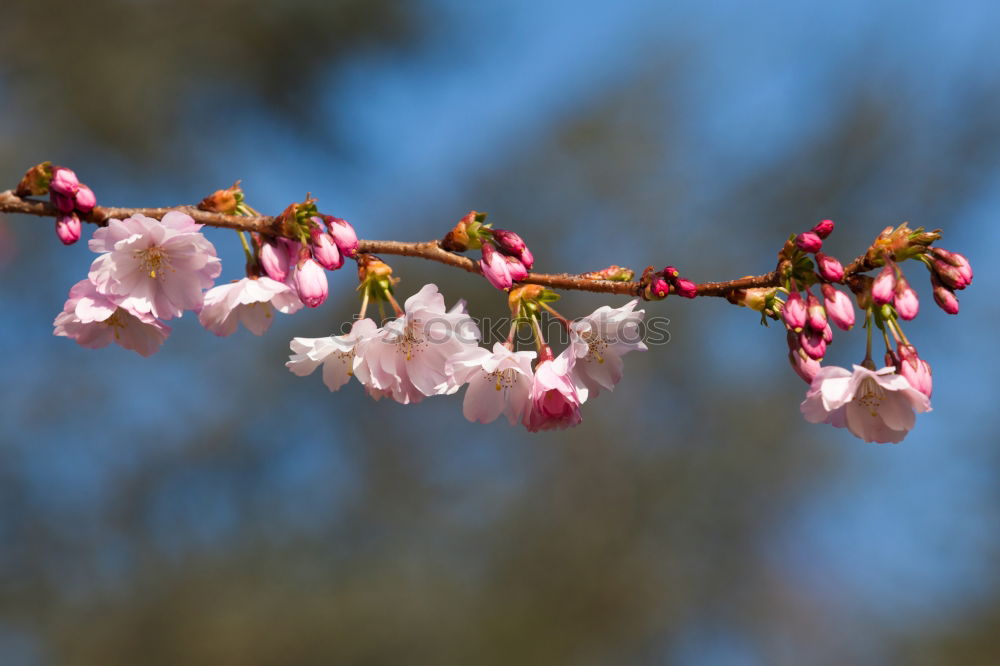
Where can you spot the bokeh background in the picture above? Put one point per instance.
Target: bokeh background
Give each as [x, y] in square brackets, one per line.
[205, 506]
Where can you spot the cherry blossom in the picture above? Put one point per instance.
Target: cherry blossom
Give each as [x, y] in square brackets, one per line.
[598, 342]
[499, 383]
[555, 401]
[336, 353]
[94, 321]
[875, 405]
[158, 267]
[251, 301]
[410, 355]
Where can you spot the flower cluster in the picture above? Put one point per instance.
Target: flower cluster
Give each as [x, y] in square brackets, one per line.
[427, 350]
[660, 284]
[67, 194]
[506, 258]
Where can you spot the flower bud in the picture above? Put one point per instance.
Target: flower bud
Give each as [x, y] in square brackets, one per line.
[84, 199]
[883, 288]
[916, 370]
[343, 235]
[804, 367]
[686, 288]
[324, 251]
[906, 301]
[958, 261]
[815, 313]
[671, 273]
[64, 181]
[813, 343]
[223, 201]
[517, 270]
[943, 296]
[809, 242]
[68, 228]
[62, 202]
[274, 260]
[839, 308]
[823, 229]
[310, 283]
[614, 273]
[494, 267]
[953, 277]
[827, 334]
[508, 242]
[829, 268]
[657, 289]
[793, 313]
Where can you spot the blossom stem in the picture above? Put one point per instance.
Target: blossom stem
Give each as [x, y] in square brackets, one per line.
[246, 246]
[395, 305]
[539, 339]
[552, 311]
[509, 344]
[364, 303]
[868, 343]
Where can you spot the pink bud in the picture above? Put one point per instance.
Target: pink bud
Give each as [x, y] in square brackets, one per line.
[916, 370]
[495, 267]
[809, 242]
[517, 270]
[64, 182]
[794, 312]
[943, 296]
[804, 367]
[815, 314]
[274, 260]
[955, 259]
[884, 286]
[85, 199]
[310, 283]
[686, 288]
[657, 289]
[839, 308]
[324, 251]
[68, 228]
[829, 268]
[671, 273]
[510, 243]
[823, 229]
[813, 343]
[527, 258]
[62, 202]
[953, 277]
[343, 235]
[827, 334]
[907, 303]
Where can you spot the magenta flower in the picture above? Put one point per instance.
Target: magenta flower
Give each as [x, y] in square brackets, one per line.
[251, 301]
[95, 320]
[809, 241]
[954, 269]
[335, 353]
[410, 355]
[597, 344]
[499, 383]
[686, 288]
[68, 228]
[839, 308]
[555, 401]
[823, 229]
[159, 267]
[876, 406]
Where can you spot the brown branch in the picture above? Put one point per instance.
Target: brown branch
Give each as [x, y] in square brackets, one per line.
[269, 226]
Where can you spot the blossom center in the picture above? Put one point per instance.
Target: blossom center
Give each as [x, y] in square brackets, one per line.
[870, 395]
[502, 379]
[409, 344]
[153, 260]
[596, 347]
[117, 322]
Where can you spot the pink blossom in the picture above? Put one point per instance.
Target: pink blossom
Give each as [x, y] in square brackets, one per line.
[310, 282]
[84, 200]
[598, 342]
[64, 182]
[877, 406]
[495, 267]
[793, 312]
[813, 343]
[815, 313]
[884, 286]
[68, 228]
[829, 268]
[839, 308]
[804, 367]
[916, 370]
[555, 401]
[513, 245]
[906, 302]
[343, 235]
[251, 301]
[499, 383]
[823, 229]
[335, 353]
[410, 355]
[159, 267]
[95, 320]
[809, 241]
[274, 259]
[943, 296]
[324, 251]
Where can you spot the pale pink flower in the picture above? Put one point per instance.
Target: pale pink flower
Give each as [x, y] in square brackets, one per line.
[95, 321]
[875, 405]
[499, 383]
[598, 342]
[555, 401]
[251, 301]
[159, 267]
[410, 355]
[336, 353]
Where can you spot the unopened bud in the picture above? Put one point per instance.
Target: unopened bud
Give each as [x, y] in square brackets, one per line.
[68, 228]
[63, 203]
[223, 201]
[883, 288]
[324, 250]
[906, 301]
[670, 273]
[510, 243]
[613, 273]
[657, 289]
[815, 313]
[805, 367]
[274, 260]
[829, 268]
[793, 313]
[839, 308]
[823, 229]
[311, 283]
[64, 181]
[943, 296]
[495, 268]
[686, 288]
[916, 370]
[813, 343]
[517, 270]
[809, 241]
[84, 199]
[343, 235]
[954, 269]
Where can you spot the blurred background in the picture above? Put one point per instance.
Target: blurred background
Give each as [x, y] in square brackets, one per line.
[205, 506]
